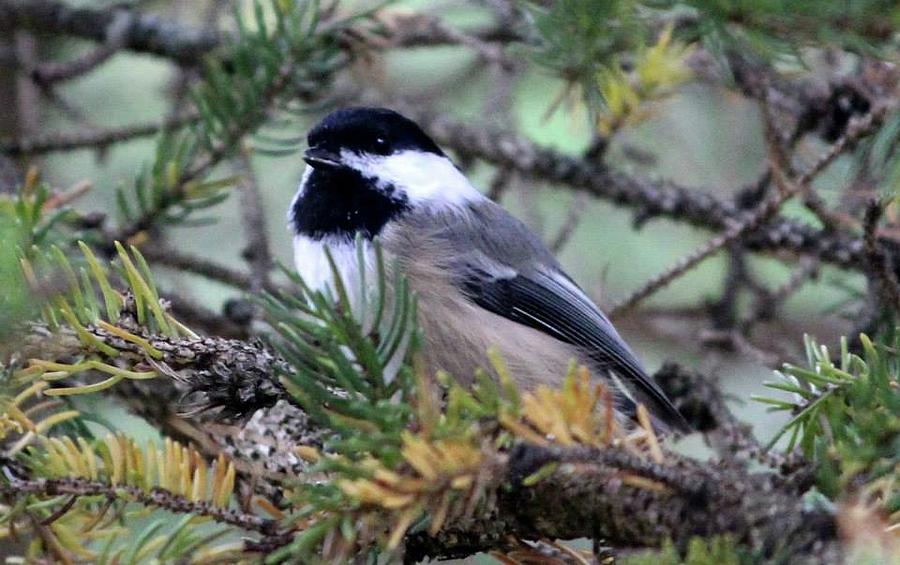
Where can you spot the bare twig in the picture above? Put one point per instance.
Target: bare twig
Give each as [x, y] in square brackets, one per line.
[765, 304]
[723, 312]
[146, 33]
[157, 497]
[409, 29]
[685, 264]
[256, 252]
[880, 267]
[650, 198]
[27, 112]
[69, 109]
[779, 143]
[51, 73]
[174, 259]
[769, 207]
[60, 512]
[182, 81]
[202, 319]
[187, 45]
[423, 30]
[500, 183]
[91, 139]
[570, 223]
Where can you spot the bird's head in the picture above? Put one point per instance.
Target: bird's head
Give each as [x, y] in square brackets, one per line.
[367, 138]
[372, 164]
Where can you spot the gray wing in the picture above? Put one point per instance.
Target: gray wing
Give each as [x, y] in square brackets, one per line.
[504, 268]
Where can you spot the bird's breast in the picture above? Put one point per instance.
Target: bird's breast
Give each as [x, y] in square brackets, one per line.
[313, 266]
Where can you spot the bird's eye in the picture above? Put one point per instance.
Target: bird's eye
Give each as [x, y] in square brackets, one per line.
[380, 141]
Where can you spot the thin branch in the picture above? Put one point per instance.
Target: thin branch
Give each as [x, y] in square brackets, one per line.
[180, 88]
[500, 183]
[157, 497]
[765, 304]
[175, 259]
[685, 264]
[256, 252]
[570, 223]
[881, 270]
[649, 197]
[186, 45]
[763, 212]
[421, 29]
[723, 312]
[147, 33]
[90, 139]
[613, 495]
[202, 319]
[27, 111]
[60, 512]
[47, 74]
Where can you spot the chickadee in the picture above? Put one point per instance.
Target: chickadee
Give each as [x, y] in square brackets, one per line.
[481, 277]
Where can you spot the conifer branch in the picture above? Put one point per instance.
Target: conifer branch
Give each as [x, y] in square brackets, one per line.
[158, 498]
[624, 489]
[651, 198]
[90, 139]
[596, 494]
[787, 189]
[881, 266]
[48, 74]
[407, 463]
[184, 45]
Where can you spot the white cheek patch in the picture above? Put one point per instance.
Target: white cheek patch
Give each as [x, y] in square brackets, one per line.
[425, 178]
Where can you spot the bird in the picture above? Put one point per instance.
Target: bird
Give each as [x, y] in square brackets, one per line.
[482, 279]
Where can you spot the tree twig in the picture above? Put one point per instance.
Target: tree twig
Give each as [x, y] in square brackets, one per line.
[605, 493]
[182, 44]
[787, 189]
[650, 198]
[765, 304]
[186, 45]
[570, 222]
[879, 263]
[89, 139]
[599, 493]
[194, 264]
[256, 252]
[47, 74]
[159, 498]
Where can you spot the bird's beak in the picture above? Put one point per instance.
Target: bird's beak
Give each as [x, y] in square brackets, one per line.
[321, 158]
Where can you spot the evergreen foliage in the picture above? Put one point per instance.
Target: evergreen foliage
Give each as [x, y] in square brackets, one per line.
[846, 419]
[404, 452]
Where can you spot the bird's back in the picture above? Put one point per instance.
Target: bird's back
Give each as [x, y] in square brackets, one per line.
[485, 280]
[458, 332]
